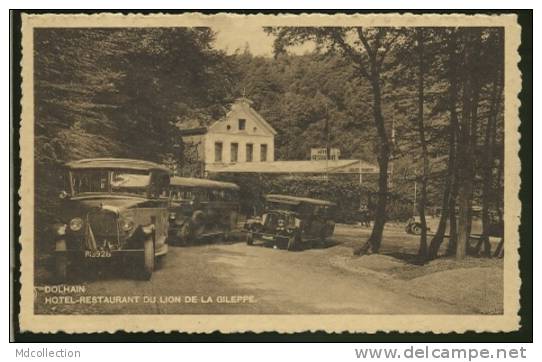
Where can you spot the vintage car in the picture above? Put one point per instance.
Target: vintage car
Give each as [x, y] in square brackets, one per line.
[292, 222]
[201, 209]
[112, 209]
[414, 226]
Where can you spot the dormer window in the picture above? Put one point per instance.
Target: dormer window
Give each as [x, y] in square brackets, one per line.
[242, 124]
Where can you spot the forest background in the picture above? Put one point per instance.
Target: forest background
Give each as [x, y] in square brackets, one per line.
[427, 101]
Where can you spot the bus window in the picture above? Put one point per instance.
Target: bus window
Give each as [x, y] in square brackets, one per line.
[159, 185]
[175, 195]
[188, 195]
[229, 195]
[202, 195]
[216, 195]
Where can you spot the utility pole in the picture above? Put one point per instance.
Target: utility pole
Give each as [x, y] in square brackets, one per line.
[390, 179]
[415, 192]
[360, 175]
[327, 141]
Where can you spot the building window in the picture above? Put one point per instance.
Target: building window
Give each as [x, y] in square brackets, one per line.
[263, 153]
[250, 149]
[242, 124]
[234, 152]
[218, 151]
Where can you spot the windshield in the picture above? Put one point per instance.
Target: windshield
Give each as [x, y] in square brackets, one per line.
[119, 181]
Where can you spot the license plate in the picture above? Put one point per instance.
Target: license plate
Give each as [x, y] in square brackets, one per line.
[97, 254]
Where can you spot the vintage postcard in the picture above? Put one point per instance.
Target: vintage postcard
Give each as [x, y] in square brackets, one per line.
[285, 173]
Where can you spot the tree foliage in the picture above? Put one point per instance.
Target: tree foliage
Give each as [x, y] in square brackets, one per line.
[120, 93]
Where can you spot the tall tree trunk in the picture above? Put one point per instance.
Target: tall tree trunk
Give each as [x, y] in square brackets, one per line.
[452, 202]
[499, 251]
[375, 239]
[422, 251]
[372, 73]
[489, 147]
[468, 139]
[445, 209]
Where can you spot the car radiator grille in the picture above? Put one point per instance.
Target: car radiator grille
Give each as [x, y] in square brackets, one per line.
[102, 228]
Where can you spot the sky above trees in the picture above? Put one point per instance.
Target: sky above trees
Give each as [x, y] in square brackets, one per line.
[237, 35]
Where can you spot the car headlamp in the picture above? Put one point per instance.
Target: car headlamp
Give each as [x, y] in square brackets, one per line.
[60, 229]
[76, 224]
[148, 229]
[126, 225]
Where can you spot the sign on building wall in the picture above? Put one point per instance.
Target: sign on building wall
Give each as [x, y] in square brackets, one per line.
[320, 154]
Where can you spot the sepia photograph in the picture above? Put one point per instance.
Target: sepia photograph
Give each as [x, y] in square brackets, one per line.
[270, 173]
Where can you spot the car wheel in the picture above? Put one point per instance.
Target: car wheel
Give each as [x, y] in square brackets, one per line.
[198, 224]
[184, 234]
[160, 262]
[250, 238]
[61, 268]
[61, 262]
[233, 220]
[416, 229]
[293, 243]
[148, 259]
[322, 241]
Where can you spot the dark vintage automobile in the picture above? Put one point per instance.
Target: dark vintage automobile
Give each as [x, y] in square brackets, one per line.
[292, 222]
[201, 208]
[414, 226]
[112, 209]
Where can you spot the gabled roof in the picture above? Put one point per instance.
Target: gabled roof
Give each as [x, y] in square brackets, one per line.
[286, 167]
[245, 105]
[116, 163]
[261, 120]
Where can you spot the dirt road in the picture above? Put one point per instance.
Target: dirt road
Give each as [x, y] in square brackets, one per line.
[237, 278]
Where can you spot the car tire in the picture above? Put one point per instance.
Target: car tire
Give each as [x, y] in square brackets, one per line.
[233, 220]
[225, 237]
[293, 243]
[250, 238]
[61, 262]
[148, 259]
[416, 229]
[198, 224]
[160, 262]
[322, 241]
[184, 234]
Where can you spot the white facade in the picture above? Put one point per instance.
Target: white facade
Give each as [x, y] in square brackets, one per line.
[243, 129]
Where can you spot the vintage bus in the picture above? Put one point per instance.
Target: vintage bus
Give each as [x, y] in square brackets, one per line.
[201, 209]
